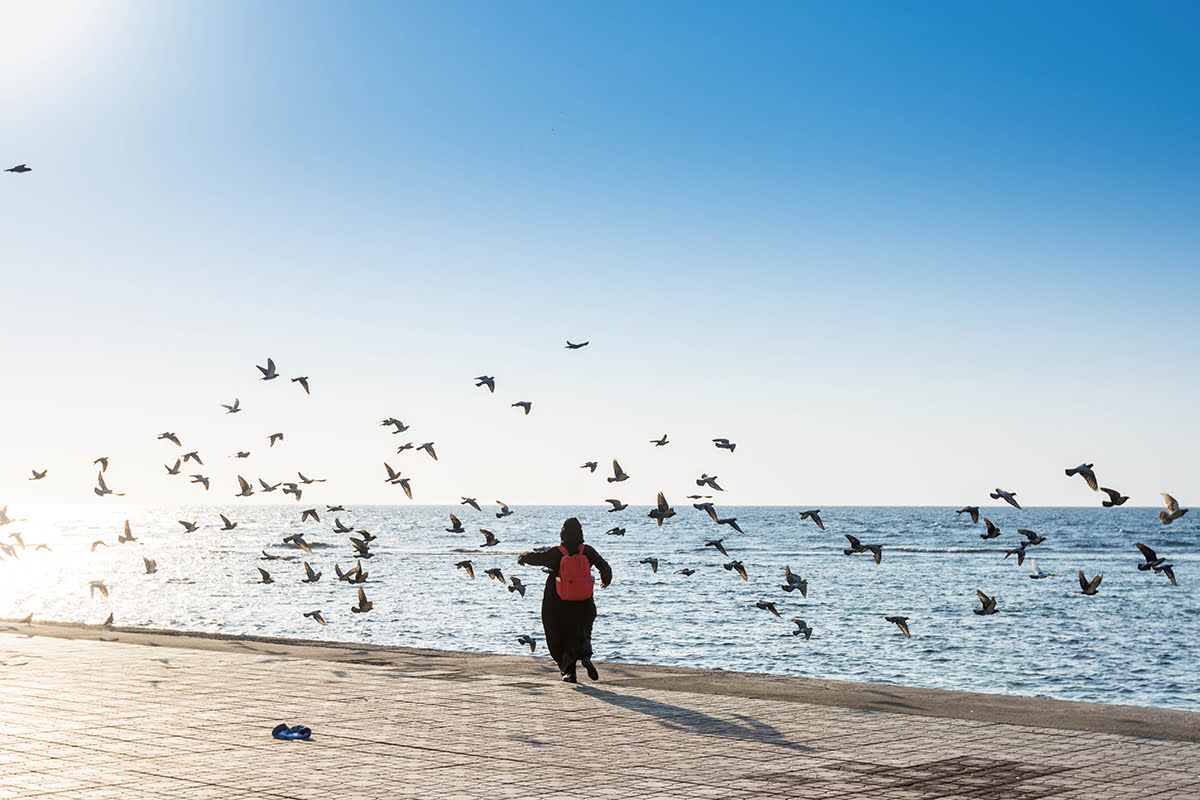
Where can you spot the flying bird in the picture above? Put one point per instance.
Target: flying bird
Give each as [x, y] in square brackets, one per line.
[297, 539]
[466, 565]
[687, 573]
[400, 426]
[1115, 498]
[992, 531]
[801, 628]
[306, 481]
[303, 381]
[710, 481]
[1036, 572]
[503, 512]
[188, 527]
[275, 437]
[269, 373]
[226, 525]
[266, 576]
[241, 454]
[1168, 570]
[127, 536]
[858, 547]
[103, 462]
[660, 442]
[589, 465]
[98, 543]
[1085, 471]
[488, 381]
[617, 505]
[972, 510]
[572, 346]
[364, 605]
[22, 168]
[150, 564]
[707, 508]
[472, 502]
[108, 623]
[525, 404]
[173, 470]
[1089, 587]
[309, 514]
[316, 615]
[724, 444]
[901, 623]
[201, 479]
[489, 538]
[268, 557]
[37, 476]
[1032, 537]
[794, 582]
[247, 489]
[988, 604]
[662, 510]
[495, 573]
[1019, 552]
[233, 409]
[516, 585]
[455, 525]
[97, 586]
[738, 567]
[171, 438]
[103, 489]
[615, 531]
[192, 456]
[1152, 560]
[766, 605]
[529, 640]
[652, 561]
[310, 575]
[717, 543]
[269, 487]
[731, 522]
[1008, 497]
[1173, 511]
[618, 473]
[428, 448]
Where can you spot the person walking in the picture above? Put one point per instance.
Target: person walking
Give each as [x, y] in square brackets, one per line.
[568, 608]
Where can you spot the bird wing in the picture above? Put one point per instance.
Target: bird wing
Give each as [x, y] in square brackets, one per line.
[224, 520]
[853, 541]
[265, 575]
[662, 502]
[983, 598]
[245, 484]
[362, 597]
[1083, 584]
[617, 472]
[1095, 582]
[1146, 551]
[1172, 503]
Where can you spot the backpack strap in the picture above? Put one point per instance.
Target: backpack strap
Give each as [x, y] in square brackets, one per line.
[563, 550]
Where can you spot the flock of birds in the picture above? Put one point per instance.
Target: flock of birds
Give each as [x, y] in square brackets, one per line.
[360, 540]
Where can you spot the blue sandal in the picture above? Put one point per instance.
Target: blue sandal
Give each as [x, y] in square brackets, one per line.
[282, 731]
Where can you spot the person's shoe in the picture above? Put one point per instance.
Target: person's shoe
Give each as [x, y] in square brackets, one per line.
[591, 669]
[570, 678]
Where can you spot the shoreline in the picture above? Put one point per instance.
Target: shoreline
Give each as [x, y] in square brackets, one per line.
[1124, 720]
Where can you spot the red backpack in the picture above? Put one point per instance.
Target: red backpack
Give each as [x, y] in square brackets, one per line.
[574, 576]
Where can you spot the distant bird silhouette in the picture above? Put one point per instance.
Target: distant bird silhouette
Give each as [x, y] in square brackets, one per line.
[801, 628]
[988, 604]
[731, 522]
[529, 640]
[333, 509]
[275, 437]
[687, 573]
[455, 525]
[766, 605]
[103, 462]
[1115, 498]
[489, 538]
[22, 168]
[310, 575]
[1168, 570]
[400, 426]
[858, 547]
[188, 527]
[315, 615]
[27, 619]
[503, 512]
[200, 479]
[972, 510]
[192, 456]
[794, 582]
[364, 605]
[1032, 537]
[618, 473]
[1008, 497]
[268, 557]
[901, 623]
[266, 576]
[18, 537]
[303, 381]
[1151, 558]
[108, 623]
[515, 585]
[525, 404]
[309, 514]
[1019, 552]
[488, 381]
[738, 567]
[652, 561]
[717, 543]
[175, 469]
[815, 516]
[428, 448]
[226, 525]
[1089, 587]
[707, 508]
[1036, 572]
[495, 573]
[150, 564]
[297, 539]
[615, 531]
[589, 465]
[268, 372]
[660, 442]
[306, 481]
[725, 444]
[97, 586]
[98, 543]
[617, 505]
[241, 454]
[1085, 471]
[571, 346]
[127, 536]
[662, 510]
[247, 489]
[1173, 511]
[709, 481]
[992, 531]
[103, 489]
[232, 409]
[466, 565]
[472, 502]
[171, 438]
[37, 476]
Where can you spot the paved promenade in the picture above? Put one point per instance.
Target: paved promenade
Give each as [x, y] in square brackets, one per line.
[92, 713]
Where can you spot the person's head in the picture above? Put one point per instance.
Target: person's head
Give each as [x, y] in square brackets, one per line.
[572, 533]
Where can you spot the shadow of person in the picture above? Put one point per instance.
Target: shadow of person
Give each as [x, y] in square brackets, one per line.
[678, 718]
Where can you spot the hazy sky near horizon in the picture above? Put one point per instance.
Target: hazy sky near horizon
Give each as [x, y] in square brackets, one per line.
[900, 253]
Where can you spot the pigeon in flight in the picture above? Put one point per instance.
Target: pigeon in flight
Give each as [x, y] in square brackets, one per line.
[37, 476]
[364, 605]
[988, 604]
[717, 543]
[188, 527]
[108, 623]
[297, 539]
[618, 473]
[489, 538]
[794, 582]
[150, 564]
[1115, 498]
[738, 567]
[268, 557]
[1152, 560]
[1036, 572]
[724, 444]
[455, 525]
[901, 623]
[615, 531]
[400, 426]
[525, 404]
[731, 522]
[516, 585]
[241, 454]
[310, 575]
[103, 462]
[269, 373]
[589, 465]
[22, 168]
[662, 510]
[247, 489]
[202, 479]
[992, 531]
[303, 381]
[617, 505]
[103, 489]
[1031, 537]
[529, 640]
[767, 605]
[171, 438]
[309, 514]
[504, 510]
[428, 448]
[972, 510]
[707, 508]
[1089, 587]
[1173, 511]
[660, 442]
[815, 516]
[233, 409]
[570, 344]
[652, 561]
[466, 565]
[1085, 471]
[858, 547]
[495, 573]
[472, 502]
[687, 573]
[226, 524]
[307, 481]
[710, 481]
[97, 586]
[98, 543]
[1168, 570]
[488, 381]
[1019, 552]
[315, 615]
[275, 437]
[1008, 497]
[175, 469]
[801, 628]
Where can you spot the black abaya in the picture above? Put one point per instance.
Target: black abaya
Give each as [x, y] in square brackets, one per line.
[567, 623]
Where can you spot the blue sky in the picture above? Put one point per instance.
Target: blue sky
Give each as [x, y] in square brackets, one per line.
[902, 252]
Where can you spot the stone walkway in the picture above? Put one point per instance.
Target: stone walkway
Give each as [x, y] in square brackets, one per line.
[181, 717]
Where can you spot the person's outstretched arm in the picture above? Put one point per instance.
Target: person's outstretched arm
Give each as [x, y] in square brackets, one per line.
[541, 558]
[600, 564]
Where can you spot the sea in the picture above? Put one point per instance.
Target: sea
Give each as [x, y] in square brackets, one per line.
[1137, 641]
